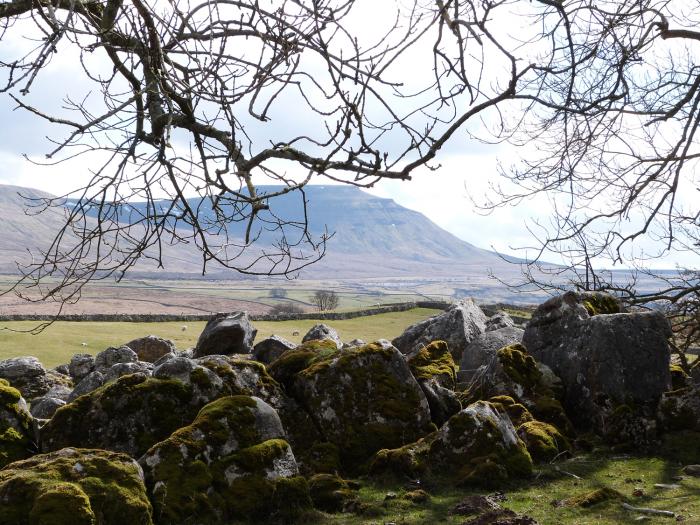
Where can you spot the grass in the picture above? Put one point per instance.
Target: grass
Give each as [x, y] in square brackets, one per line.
[599, 469]
[57, 343]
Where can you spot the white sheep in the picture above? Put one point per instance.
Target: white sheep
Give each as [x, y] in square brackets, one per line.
[184, 328]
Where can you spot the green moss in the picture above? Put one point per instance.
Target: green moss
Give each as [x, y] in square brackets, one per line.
[331, 493]
[485, 471]
[284, 368]
[550, 410]
[543, 441]
[517, 412]
[15, 426]
[322, 458]
[597, 303]
[417, 496]
[594, 497]
[63, 504]
[434, 360]
[257, 498]
[74, 487]
[520, 366]
[410, 461]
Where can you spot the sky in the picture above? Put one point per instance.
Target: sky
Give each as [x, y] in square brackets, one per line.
[448, 196]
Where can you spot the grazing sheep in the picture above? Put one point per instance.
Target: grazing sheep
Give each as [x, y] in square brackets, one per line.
[295, 332]
[184, 327]
[83, 344]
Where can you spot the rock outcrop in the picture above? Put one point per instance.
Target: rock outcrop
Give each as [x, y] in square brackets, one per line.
[267, 350]
[151, 348]
[226, 334]
[457, 326]
[605, 358]
[322, 332]
[231, 463]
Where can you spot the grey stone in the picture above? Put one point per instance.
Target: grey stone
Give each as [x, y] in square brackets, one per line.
[167, 357]
[59, 392]
[603, 360]
[499, 320]
[121, 369]
[323, 332]
[90, 382]
[80, 366]
[226, 334]
[63, 369]
[267, 350]
[175, 368]
[457, 326]
[151, 348]
[27, 375]
[482, 349]
[111, 356]
[354, 344]
[45, 407]
[442, 401]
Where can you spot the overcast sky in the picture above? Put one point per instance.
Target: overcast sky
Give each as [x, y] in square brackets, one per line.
[445, 196]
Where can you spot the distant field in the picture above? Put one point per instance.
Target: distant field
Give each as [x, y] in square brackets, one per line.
[57, 343]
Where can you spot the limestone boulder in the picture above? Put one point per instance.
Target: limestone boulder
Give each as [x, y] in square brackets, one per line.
[457, 326]
[435, 371]
[131, 413]
[477, 446]
[27, 375]
[498, 321]
[122, 369]
[323, 332]
[90, 382]
[45, 407]
[17, 440]
[74, 487]
[151, 348]
[226, 334]
[482, 349]
[267, 350]
[231, 464]
[680, 409]
[361, 399]
[80, 366]
[603, 356]
[111, 356]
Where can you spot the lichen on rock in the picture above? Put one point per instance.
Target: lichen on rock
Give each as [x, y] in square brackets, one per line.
[16, 428]
[230, 463]
[74, 487]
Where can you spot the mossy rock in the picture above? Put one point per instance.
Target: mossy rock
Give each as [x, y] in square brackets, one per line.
[331, 493]
[284, 368]
[544, 442]
[479, 431]
[593, 497]
[434, 361]
[597, 303]
[363, 399]
[16, 427]
[128, 415]
[223, 466]
[550, 410]
[517, 412]
[520, 366]
[74, 487]
[409, 461]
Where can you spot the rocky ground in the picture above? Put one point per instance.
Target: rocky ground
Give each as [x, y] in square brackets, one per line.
[232, 431]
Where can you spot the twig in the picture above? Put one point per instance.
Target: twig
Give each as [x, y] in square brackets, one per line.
[645, 510]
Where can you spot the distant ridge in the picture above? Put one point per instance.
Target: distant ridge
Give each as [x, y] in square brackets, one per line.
[373, 237]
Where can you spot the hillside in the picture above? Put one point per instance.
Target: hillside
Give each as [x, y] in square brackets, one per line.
[373, 237]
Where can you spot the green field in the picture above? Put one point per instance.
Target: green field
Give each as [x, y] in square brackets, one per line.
[58, 342]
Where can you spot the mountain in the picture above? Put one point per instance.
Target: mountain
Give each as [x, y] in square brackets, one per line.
[373, 237]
